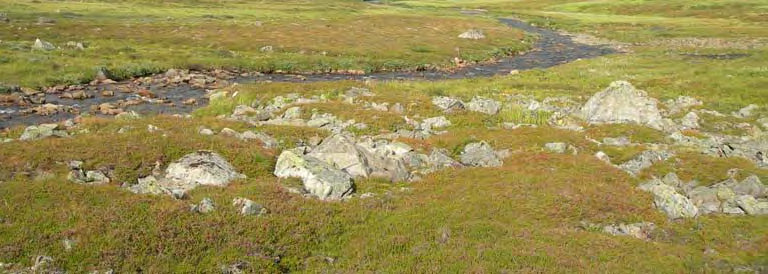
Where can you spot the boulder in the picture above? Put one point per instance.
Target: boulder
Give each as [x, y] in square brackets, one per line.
[622, 103]
[473, 34]
[319, 178]
[205, 206]
[439, 159]
[484, 105]
[42, 131]
[637, 230]
[750, 186]
[341, 152]
[448, 104]
[675, 205]
[435, 122]
[752, 206]
[42, 45]
[690, 121]
[248, 207]
[479, 154]
[202, 168]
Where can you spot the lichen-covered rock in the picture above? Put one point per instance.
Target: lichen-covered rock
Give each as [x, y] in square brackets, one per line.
[484, 105]
[637, 230]
[202, 168]
[205, 206]
[673, 204]
[752, 206]
[622, 103]
[448, 104]
[341, 152]
[479, 154]
[248, 207]
[319, 178]
[42, 131]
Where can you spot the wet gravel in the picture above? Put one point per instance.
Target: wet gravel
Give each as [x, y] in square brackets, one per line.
[551, 49]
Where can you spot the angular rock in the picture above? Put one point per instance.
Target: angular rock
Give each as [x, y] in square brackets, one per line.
[479, 154]
[690, 121]
[268, 141]
[341, 152]
[205, 206]
[43, 45]
[752, 206]
[673, 204]
[751, 186]
[602, 156]
[202, 168]
[319, 178]
[439, 159]
[206, 132]
[42, 131]
[484, 105]
[622, 103]
[248, 207]
[435, 122]
[448, 104]
[637, 230]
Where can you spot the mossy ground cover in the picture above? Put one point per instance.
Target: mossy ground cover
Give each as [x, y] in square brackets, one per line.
[522, 217]
[136, 38]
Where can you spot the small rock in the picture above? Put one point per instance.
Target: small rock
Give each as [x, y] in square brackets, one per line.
[435, 122]
[448, 104]
[248, 207]
[205, 206]
[484, 105]
[153, 128]
[644, 160]
[690, 121]
[319, 178]
[42, 131]
[472, 34]
[559, 148]
[618, 141]
[268, 141]
[637, 230]
[746, 111]
[43, 45]
[752, 206]
[603, 157]
[206, 132]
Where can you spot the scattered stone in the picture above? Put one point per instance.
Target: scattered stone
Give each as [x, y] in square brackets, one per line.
[746, 111]
[690, 121]
[190, 102]
[448, 104]
[644, 160]
[484, 105]
[91, 177]
[42, 131]
[107, 93]
[228, 132]
[206, 132]
[319, 178]
[153, 128]
[45, 21]
[622, 103]
[205, 206]
[618, 141]
[479, 154]
[43, 45]
[268, 141]
[435, 122]
[560, 148]
[472, 34]
[681, 103]
[248, 207]
[637, 230]
[292, 113]
[129, 115]
[603, 157]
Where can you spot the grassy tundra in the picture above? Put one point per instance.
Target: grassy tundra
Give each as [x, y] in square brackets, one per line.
[522, 217]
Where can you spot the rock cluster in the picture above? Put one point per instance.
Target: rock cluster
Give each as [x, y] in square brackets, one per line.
[42, 131]
[686, 200]
[78, 175]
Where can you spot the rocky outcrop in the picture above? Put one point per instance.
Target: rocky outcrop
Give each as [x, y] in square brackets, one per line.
[622, 103]
[319, 178]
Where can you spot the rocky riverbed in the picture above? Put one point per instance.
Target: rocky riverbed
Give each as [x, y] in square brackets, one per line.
[181, 91]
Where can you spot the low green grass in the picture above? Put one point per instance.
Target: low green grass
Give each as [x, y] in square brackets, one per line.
[134, 38]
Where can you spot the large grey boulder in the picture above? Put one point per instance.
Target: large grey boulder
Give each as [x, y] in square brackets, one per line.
[750, 186]
[484, 105]
[341, 152]
[319, 178]
[479, 154]
[202, 168]
[622, 103]
[673, 204]
[42, 131]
